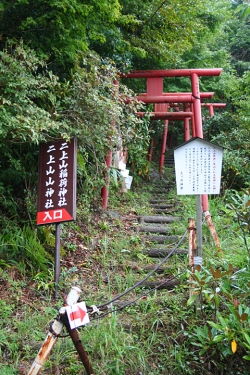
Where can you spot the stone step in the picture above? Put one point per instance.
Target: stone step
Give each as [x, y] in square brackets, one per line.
[162, 206]
[150, 267]
[163, 284]
[156, 252]
[160, 200]
[158, 219]
[160, 195]
[162, 211]
[153, 229]
[161, 239]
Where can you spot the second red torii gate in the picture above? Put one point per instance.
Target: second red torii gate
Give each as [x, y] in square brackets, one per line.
[161, 113]
[211, 107]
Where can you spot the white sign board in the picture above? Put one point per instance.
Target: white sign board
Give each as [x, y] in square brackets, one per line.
[77, 315]
[198, 166]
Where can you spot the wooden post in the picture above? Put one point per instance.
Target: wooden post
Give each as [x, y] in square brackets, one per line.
[151, 149]
[192, 249]
[198, 252]
[198, 255]
[52, 337]
[212, 229]
[80, 349]
[57, 260]
[105, 188]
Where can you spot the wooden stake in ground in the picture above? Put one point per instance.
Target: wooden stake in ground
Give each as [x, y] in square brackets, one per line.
[52, 337]
[198, 254]
[192, 249]
[212, 229]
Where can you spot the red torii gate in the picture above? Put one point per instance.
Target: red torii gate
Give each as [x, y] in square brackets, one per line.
[155, 88]
[155, 94]
[211, 107]
[161, 113]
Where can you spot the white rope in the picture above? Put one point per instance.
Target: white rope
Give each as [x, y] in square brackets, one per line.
[197, 261]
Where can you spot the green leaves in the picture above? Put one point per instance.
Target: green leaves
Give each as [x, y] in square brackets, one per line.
[191, 300]
[28, 99]
[59, 30]
[243, 10]
[36, 106]
[144, 32]
[230, 327]
[21, 246]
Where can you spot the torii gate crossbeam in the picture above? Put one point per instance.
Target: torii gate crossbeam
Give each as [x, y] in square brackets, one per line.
[173, 73]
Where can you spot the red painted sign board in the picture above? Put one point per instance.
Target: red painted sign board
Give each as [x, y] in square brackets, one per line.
[77, 315]
[57, 182]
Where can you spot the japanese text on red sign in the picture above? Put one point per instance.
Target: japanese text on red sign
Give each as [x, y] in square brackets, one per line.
[56, 182]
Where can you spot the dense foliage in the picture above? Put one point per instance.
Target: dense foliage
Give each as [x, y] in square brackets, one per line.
[139, 34]
[60, 63]
[36, 107]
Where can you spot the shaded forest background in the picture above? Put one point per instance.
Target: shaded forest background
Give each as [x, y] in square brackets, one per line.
[58, 64]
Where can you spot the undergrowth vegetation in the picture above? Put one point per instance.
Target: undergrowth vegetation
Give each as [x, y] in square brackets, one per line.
[161, 332]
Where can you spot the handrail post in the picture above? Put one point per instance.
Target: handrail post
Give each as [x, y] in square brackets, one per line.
[52, 337]
[192, 249]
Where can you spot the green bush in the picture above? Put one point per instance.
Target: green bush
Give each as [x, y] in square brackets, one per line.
[21, 247]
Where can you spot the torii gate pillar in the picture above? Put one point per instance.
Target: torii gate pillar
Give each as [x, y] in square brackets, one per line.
[197, 105]
[186, 124]
[198, 124]
[154, 88]
[163, 107]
